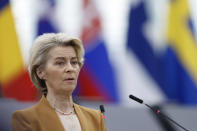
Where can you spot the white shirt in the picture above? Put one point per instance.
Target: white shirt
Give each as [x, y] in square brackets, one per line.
[70, 122]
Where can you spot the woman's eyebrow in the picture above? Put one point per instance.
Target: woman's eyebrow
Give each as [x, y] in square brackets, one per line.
[74, 57]
[62, 58]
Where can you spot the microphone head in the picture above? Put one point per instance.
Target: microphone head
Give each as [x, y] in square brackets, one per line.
[102, 108]
[136, 99]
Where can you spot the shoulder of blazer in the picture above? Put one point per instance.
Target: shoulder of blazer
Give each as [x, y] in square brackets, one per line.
[25, 112]
[32, 109]
[41, 116]
[21, 119]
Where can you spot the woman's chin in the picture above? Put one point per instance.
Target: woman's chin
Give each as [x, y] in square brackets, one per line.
[68, 89]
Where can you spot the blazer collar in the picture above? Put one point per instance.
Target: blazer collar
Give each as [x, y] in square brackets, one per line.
[81, 117]
[50, 119]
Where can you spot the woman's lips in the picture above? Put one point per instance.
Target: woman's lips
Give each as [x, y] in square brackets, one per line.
[69, 80]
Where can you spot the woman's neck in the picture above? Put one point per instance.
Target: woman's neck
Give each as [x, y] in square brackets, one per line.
[60, 102]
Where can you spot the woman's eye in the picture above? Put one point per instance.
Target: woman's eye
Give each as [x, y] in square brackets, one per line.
[74, 62]
[59, 63]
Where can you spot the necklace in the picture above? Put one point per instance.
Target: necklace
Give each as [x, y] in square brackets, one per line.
[63, 113]
[59, 111]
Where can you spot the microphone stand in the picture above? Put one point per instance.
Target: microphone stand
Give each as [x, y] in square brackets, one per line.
[158, 112]
[165, 123]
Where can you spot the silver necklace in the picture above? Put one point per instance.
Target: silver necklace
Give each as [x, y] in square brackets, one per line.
[59, 111]
[63, 113]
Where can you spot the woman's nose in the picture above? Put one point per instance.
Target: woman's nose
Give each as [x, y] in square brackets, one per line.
[69, 67]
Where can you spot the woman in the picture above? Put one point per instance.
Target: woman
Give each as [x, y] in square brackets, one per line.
[55, 63]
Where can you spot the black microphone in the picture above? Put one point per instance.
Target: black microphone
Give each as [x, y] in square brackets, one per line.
[102, 109]
[158, 112]
[136, 99]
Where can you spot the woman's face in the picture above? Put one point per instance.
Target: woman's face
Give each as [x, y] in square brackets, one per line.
[61, 70]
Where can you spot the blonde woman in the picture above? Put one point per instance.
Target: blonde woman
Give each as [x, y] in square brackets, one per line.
[54, 66]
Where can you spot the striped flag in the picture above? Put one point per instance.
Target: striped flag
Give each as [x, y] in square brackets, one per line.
[14, 79]
[45, 24]
[182, 42]
[174, 68]
[96, 80]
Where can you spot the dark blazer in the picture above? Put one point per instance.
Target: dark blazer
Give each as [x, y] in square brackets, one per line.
[42, 117]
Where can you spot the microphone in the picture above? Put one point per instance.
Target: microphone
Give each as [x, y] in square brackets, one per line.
[158, 112]
[136, 99]
[102, 109]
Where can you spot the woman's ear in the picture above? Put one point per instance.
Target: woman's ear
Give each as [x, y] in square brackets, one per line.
[40, 73]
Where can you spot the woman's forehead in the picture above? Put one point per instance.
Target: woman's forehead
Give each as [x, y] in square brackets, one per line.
[62, 52]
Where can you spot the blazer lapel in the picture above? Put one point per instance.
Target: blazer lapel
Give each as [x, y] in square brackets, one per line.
[48, 117]
[81, 117]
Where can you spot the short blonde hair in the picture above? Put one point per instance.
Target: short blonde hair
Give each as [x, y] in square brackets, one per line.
[39, 54]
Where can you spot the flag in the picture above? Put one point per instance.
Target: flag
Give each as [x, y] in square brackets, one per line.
[45, 24]
[97, 77]
[174, 68]
[182, 41]
[14, 79]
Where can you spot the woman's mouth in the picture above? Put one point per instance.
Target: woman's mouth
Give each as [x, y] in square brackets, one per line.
[69, 79]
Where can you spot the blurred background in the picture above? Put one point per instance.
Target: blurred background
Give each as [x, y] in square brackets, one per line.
[147, 48]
